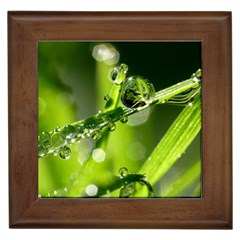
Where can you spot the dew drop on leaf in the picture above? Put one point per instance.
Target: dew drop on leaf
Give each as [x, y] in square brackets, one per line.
[123, 172]
[45, 139]
[111, 126]
[137, 92]
[118, 74]
[69, 131]
[65, 152]
[96, 134]
[124, 119]
[127, 190]
[57, 139]
[42, 151]
[114, 73]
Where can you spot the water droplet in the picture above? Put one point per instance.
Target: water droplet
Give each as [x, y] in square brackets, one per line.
[65, 152]
[55, 192]
[124, 119]
[45, 139]
[69, 131]
[106, 97]
[57, 139]
[163, 101]
[111, 126]
[137, 92]
[114, 73]
[123, 172]
[65, 189]
[118, 74]
[190, 104]
[127, 190]
[96, 134]
[42, 151]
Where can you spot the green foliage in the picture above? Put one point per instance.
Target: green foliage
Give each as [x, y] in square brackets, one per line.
[89, 155]
[174, 143]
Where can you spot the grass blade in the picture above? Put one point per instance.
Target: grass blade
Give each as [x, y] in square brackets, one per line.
[175, 142]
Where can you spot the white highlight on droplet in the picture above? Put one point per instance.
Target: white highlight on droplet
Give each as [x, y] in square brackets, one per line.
[98, 155]
[91, 190]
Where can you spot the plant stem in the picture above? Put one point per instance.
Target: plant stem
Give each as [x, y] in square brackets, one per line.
[102, 119]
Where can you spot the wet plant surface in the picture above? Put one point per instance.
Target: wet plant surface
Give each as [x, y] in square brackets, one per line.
[95, 164]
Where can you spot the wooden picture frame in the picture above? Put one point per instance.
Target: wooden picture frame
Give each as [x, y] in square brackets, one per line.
[213, 210]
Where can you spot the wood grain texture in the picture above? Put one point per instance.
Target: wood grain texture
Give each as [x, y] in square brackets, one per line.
[212, 29]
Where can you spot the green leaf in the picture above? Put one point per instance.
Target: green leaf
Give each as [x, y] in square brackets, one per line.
[175, 142]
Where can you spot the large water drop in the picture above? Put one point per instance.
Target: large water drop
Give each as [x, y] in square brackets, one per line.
[137, 92]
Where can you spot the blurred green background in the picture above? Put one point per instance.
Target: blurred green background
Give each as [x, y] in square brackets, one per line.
[73, 78]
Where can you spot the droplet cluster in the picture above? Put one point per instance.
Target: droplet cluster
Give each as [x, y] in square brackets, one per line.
[136, 92]
[58, 141]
